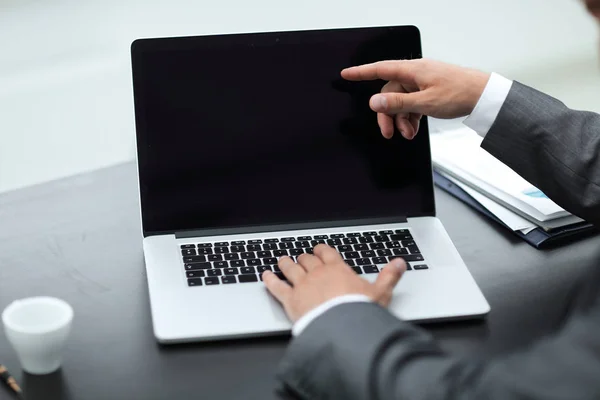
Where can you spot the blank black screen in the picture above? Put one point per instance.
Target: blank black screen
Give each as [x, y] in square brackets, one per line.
[260, 129]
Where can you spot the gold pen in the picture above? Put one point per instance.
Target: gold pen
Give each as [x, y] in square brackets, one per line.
[9, 380]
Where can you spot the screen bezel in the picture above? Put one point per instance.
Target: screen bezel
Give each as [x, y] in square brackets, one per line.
[139, 46]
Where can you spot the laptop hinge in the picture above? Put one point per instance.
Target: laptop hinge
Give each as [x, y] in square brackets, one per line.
[289, 227]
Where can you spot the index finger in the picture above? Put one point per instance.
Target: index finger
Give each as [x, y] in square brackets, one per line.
[401, 71]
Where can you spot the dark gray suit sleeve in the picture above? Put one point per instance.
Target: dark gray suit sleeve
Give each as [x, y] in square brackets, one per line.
[553, 147]
[361, 351]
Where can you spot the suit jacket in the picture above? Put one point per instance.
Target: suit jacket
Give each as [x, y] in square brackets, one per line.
[381, 357]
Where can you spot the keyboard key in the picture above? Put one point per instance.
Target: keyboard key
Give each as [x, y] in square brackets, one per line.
[358, 270]
[205, 250]
[351, 240]
[271, 240]
[247, 255]
[263, 268]
[334, 242]
[254, 247]
[204, 244]
[193, 259]
[270, 246]
[247, 278]
[337, 236]
[195, 282]
[381, 238]
[195, 274]
[399, 252]
[421, 266]
[407, 243]
[221, 244]
[288, 239]
[309, 250]
[379, 260]
[255, 241]
[264, 254]
[351, 254]
[254, 261]
[368, 253]
[286, 245]
[303, 244]
[401, 231]
[320, 237]
[269, 260]
[404, 236]
[281, 276]
[197, 266]
[247, 270]
[304, 237]
[361, 247]
[363, 261]
[280, 253]
[376, 246]
[350, 263]
[214, 257]
[296, 252]
[276, 268]
[238, 243]
[221, 250]
[370, 269]
[408, 267]
[231, 256]
[237, 263]
[384, 252]
[366, 239]
[353, 234]
[314, 243]
[369, 233]
[188, 246]
[211, 281]
[344, 248]
[214, 272]
[228, 279]
[230, 271]
[412, 257]
[220, 264]
[413, 249]
[188, 252]
[237, 249]
[386, 232]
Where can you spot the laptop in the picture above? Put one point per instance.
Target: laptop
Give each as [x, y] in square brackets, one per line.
[252, 146]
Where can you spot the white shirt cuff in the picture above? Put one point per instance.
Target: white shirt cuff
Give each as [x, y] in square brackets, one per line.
[488, 107]
[310, 316]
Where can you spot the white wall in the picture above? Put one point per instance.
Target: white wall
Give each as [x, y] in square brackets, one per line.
[65, 96]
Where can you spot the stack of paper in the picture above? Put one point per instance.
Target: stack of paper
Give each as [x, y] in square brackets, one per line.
[457, 155]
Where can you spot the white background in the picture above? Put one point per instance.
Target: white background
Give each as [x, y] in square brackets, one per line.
[65, 86]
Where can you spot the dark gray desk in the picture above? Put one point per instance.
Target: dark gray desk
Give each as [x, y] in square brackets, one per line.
[79, 239]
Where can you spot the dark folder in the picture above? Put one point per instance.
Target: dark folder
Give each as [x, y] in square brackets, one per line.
[538, 238]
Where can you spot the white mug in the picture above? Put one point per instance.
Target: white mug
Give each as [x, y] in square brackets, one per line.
[37, 328]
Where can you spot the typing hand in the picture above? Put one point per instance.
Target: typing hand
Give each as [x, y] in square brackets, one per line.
[419, 87]
[320, 277]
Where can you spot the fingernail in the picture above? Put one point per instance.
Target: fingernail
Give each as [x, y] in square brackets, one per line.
[380, 103]
[397, 263]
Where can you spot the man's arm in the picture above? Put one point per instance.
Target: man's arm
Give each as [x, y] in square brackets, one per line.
[553, 147]
[361, 351]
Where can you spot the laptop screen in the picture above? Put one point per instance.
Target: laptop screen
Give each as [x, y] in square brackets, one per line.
[260, 129]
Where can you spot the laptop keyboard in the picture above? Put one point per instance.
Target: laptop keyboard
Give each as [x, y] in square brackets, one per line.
[242, 261]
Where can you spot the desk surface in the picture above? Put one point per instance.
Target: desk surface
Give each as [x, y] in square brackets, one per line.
[79, 239]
